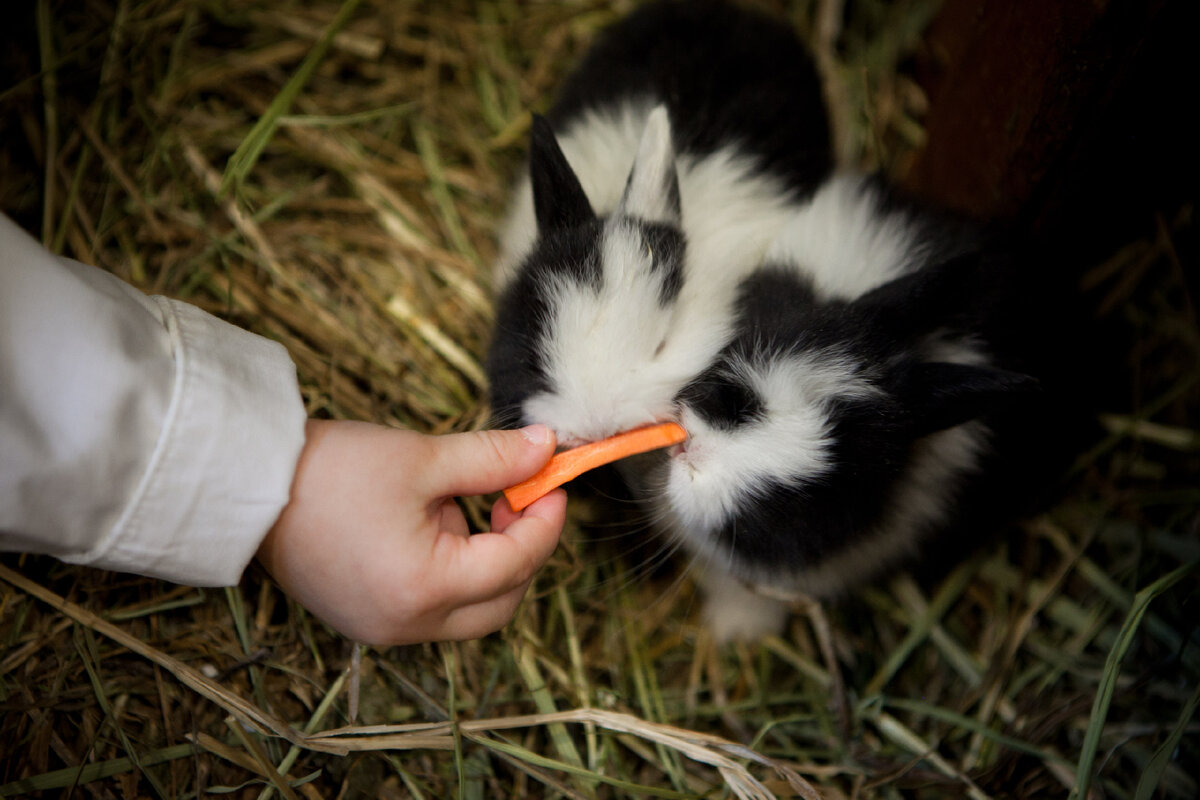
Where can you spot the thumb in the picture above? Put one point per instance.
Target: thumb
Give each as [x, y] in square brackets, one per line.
[487, 461]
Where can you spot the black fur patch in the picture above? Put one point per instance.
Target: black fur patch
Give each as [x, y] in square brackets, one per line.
[667, 246]
[940, 395]
[722, 401]
[573, 254]
[727, 75]
[559, 201]
[515, 361]
[774, 304]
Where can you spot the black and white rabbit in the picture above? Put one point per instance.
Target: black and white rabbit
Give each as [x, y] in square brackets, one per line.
[685, 140]
[686, 254]
[871, 399]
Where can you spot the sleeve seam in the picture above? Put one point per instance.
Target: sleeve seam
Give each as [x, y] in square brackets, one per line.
[130, 520]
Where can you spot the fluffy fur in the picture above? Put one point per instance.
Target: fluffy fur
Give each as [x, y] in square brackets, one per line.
[838, 429]
[687, 173]
[679, 250]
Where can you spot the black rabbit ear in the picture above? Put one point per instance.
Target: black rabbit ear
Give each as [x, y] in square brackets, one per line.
[941, 395]
[916, 303]
[558, 198]
[652, 190]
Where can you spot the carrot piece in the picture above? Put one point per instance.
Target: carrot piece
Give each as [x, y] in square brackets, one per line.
[574, 462]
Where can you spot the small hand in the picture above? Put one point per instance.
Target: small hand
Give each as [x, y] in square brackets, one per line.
[373, 543]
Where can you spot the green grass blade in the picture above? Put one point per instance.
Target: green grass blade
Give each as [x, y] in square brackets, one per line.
[340, 120]
[147, 611]
[947, 593]
[318, 716]
[246, 155]
[428, 151]
[1112, 668]
[86, 773]
[973, 725]
[535, 682]
[90, 655]
[452, 713]
[1153, 773]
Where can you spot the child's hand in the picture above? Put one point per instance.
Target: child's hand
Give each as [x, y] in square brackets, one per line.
[373, 543]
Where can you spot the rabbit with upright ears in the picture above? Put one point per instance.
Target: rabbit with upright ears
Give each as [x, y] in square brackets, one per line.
[676, 151]
[681, 251]
[598, 331]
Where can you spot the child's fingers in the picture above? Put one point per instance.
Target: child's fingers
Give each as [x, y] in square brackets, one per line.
[503, 514]
[488, 565]
[486, 461]
[480, 619]
[451, 519]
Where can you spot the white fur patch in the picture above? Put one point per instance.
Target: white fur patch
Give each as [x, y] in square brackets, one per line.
[735, 613]
[845, 242]
[616, 358]
[722, 470]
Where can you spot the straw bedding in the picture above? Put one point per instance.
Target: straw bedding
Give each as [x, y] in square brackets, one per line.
[331, 175]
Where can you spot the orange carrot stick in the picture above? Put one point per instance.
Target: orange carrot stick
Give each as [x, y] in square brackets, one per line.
[574, 462]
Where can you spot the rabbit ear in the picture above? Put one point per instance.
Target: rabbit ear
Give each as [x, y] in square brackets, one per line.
[913, 304]
[941, 395]
[652, 190]
[559, 201]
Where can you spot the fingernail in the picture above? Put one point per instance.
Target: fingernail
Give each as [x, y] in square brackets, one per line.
[536, 434]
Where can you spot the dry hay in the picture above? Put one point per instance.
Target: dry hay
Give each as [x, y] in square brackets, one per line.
[355, 226]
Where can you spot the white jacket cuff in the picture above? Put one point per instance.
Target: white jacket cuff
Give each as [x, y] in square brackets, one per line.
[222, 468]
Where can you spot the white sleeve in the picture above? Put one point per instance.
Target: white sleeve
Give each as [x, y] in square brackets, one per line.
[137, 433]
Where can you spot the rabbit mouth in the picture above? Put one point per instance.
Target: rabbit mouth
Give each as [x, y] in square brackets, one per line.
[572, 442]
